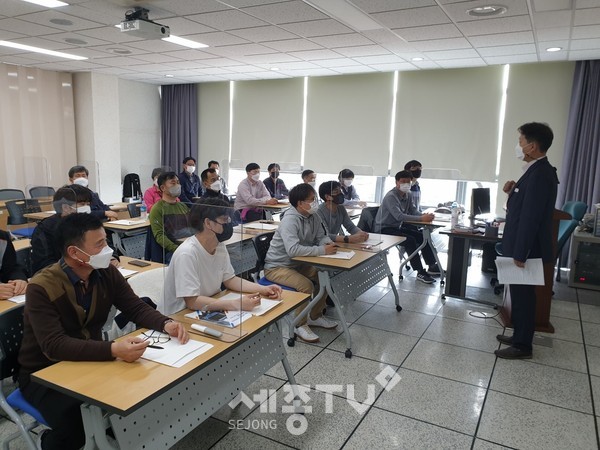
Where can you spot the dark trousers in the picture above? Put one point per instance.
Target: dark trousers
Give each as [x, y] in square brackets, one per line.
[62, 413]
[414, 238]
[522, 298]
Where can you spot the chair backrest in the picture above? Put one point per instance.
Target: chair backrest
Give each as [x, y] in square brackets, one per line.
[150, 284]
[16, 209]
[576, 209]
[366, 221]
[565, 229]
[41, 191]
[11, 194]
[134, 210]
[135, 246]
[261, 245]
[131, 186]
[11, 335]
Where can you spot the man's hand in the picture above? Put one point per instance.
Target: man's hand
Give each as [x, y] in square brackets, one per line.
[129, 349]
[111, 215]
[272, 201]
[7, 290]
[520, 264]
[509, 186]
[250, 301]
[330, 249]
[115, 262]
[361, 236]
[177, 330]
[428, 217]
[271, 291]
[19, 286]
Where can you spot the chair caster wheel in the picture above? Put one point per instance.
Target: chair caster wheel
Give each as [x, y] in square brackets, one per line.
[348, 353]
[400, 277]
[291, 341]
[443, 296]
[398, 308]
[442, 283]
[497, 291]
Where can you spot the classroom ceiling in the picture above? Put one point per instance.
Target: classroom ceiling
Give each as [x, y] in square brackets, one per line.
[270, 39]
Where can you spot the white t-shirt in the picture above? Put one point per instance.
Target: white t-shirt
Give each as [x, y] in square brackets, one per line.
[193, 271]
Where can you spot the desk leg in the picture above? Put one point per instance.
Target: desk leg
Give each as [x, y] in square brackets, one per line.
[95, 428]
[427, 238]
[458, 257]
[324, 280]
[395, 291]
[304, 314]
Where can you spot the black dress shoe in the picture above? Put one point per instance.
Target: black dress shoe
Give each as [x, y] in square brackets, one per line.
[513, 353]
[504, 339]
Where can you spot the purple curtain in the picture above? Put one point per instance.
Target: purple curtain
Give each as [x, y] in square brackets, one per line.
[179, 118]
[580, 180]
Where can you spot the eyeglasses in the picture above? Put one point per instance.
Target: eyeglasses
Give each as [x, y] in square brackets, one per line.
[228, 220]
[155, 338]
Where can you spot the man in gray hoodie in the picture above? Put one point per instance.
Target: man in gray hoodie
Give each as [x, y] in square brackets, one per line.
[301, 233]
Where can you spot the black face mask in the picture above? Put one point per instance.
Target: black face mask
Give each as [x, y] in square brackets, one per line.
[227, 232]
[274, 174]
[338, 199]
[416, 173]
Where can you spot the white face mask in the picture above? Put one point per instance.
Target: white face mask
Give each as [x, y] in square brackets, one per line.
[314, 206]
[256, 176]
[190, 169]
[217, 171]
[348, 182]
[155, 182]
[100, 260]
[216, 186]
[519, 152]
[86, 209]
[405, 187]
[81, 181]
[312, 183]
[175, 191]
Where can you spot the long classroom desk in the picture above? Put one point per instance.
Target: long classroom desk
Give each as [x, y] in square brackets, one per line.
[120, 230]
[346, 279]
[150, 405]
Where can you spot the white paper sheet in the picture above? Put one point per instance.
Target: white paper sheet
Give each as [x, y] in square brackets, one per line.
[173, 353]
[509, 273]
[128, 222]
[127, 272]
[17, 299]
[266, 304]
[234, 318]
[340, 255]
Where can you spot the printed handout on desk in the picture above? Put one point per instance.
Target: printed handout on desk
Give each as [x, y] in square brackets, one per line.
[17, 299]
[231, 319]
[340, 255]
[266, 304]
[128, 222]
[172, 353]
[260, 226]
[509, 273]
[372, 241]
[127, 272]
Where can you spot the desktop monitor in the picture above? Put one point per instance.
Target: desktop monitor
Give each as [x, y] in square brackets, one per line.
[480, 202]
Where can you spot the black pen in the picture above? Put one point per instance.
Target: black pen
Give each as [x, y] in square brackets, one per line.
[156, 347]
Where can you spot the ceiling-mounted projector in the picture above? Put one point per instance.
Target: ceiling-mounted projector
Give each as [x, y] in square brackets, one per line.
[137, 24]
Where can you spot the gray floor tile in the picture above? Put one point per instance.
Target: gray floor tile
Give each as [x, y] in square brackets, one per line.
[461, 310]
[203, 436]
[352, 311]
[450, 361]
[593, 355]
[464, 334]
[298, 356]
[382, 429]
[555, 386]
[329, 423]
[405, 322]
[373, 295]
[410, 284]
[596, 392]
[480, 444]
[591, 331]
[442, 402]
[413, 301]
[240, 439]
[588, 297]
[525, 424]
[325, 336]
[563, 292]
[371, 343]
[567, 310]
[590, 313]
[332, 368]
[563, 354]
[7, 428]
[566, 329]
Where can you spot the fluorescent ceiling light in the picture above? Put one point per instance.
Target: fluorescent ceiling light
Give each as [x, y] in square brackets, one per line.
[347, 13]
[185, 42]
[48, 3]
[30, 48]
[416, 58]
[554, 49]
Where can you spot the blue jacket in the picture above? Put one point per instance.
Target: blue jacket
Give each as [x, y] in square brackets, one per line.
[190, 187]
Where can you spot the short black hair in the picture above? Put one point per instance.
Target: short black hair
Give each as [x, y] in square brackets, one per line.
[412, 163]
[76, 169]
[70, 195]
[208, 208]
[306, 173]
[156, 172]
[72, 228]
[346, 173]
[205, 172]
[188, 158]
[165, 176]
[273, 166]
[403, 174]
[538, 132]
[300, 193]
[211, 162]
[327, 188]
[252, 166]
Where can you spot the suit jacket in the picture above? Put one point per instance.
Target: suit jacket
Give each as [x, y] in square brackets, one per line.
[528, 229]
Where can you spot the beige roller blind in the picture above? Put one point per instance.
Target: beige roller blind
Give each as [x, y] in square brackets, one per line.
[213, 122]
[348, 122]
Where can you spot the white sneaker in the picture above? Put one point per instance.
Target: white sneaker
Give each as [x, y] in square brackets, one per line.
[306, 334]
[322, 322]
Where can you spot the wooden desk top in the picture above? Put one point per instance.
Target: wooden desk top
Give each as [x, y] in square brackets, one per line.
[125, 263]
[119, 206]
[119, 227]
[434, 224]
[120, 387]
[279, 206]
[476, 236]
[41, 201]
[6, 305]
[39, 215]
[21, 244]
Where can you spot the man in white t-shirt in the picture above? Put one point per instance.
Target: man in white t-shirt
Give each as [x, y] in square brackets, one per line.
[201, 264]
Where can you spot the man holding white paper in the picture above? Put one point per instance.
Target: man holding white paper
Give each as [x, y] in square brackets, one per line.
[528, 230]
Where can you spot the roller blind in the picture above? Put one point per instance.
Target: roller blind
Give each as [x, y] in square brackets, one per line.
[449, 119]
[213, 122]
[267, 121]
[348, 122]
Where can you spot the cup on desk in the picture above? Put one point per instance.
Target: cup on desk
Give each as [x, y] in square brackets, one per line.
[491, 229]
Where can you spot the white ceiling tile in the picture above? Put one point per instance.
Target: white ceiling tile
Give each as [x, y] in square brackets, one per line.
[348, 70]
[459, 63]
[45, 18]
[155, 45]
[23, 27]
[157, 58]
[552, 19]
[217, 39]
[314, 73]
[187, 7]
[425, 64]
[221, 62]
[190, 54]
[577, 55]
[110, 34]
[338, 62]
[286, 12]
[495, 26]
[241, 77]
[550, 34]
[429, 32]
[390, 67]
[506, 50]
[441, 44]
[585, 44]
[554, 56]
[270, 75]
[363, 50]
[372, 6]
[273, 58]
[120, 61]
[515, 59]
[240, 50]
[297, 65]
[292, 45]
[118, 50]
[587, 4]
[586, 32]
[227, 20]
[542, 46]
[316, 54]
[263, 34]
[379, 59]
[9, 35]
[192, 64]
[458, 11]
[430, 15]
[61, 37]
[182, 27]
[113, 70]
[245, 68]
[20, 60]
[589, 16]
[212, 71]
[452, 54]
[551, 5]
[342, 40]
[95, 16]
[316, 28]
[490, 40]
[150, 67]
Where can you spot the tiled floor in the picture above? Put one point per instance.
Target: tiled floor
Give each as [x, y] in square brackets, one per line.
[444, 388]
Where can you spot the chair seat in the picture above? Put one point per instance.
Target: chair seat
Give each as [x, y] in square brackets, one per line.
[17, 401]
[23, 232]
[264, 282]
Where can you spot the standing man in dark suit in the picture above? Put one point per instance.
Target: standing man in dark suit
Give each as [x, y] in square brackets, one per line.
[528, 230]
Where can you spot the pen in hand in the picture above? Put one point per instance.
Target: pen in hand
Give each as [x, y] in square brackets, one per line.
[155, 347]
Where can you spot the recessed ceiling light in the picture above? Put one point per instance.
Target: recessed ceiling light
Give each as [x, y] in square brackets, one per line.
[169, 75]
[275, 69]
[75, 41]
[417, 59]
[47, 3]
[64, 22]
[185, 42]
[554, 49]
[487, 11]
[30, 48]
[119, 51]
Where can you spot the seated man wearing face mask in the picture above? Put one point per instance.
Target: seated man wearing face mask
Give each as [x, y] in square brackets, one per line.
[334, 215]
[153, 194]
[212, 184]
[79, 175]
[201, 264]
[346, 178]
[396, 207]
[415, 168]
[190, 182]
[252, 194]
[274, 184]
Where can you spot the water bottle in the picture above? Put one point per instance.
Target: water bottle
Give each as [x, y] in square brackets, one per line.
[143, 211]
[454, 215]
